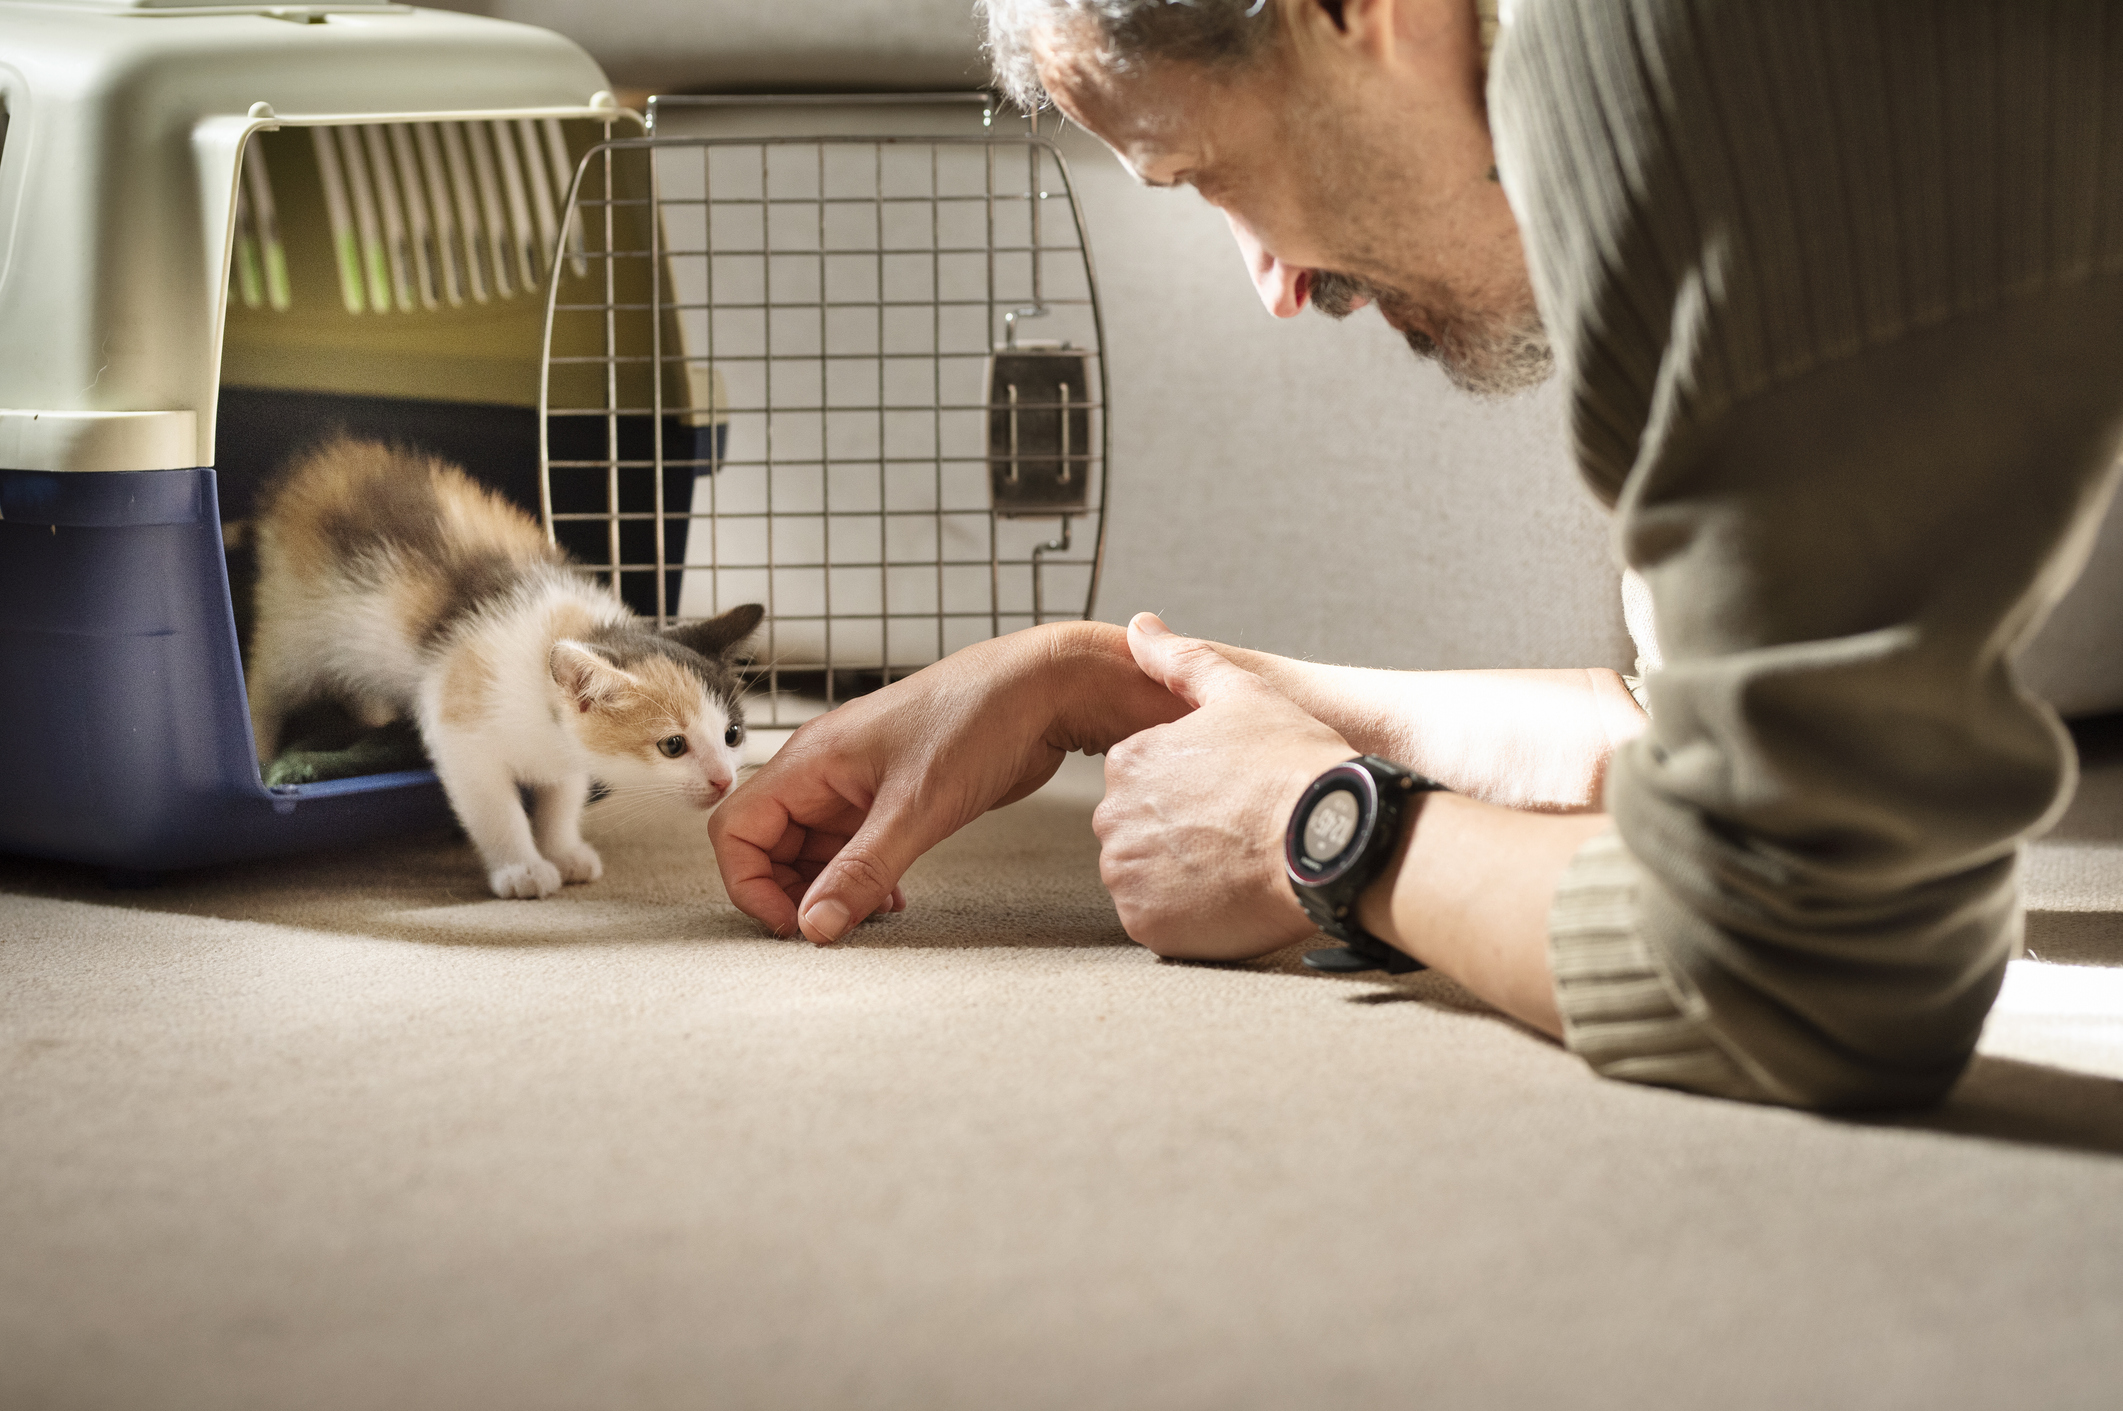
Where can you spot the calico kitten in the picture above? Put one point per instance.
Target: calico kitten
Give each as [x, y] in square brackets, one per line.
[391, 581]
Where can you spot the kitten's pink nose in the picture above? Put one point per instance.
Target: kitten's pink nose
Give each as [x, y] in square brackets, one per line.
[717, 784]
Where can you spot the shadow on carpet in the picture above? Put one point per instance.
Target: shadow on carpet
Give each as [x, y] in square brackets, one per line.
[2026, 1104]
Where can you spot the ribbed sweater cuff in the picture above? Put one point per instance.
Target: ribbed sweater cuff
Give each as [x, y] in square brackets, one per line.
[1625, 1011]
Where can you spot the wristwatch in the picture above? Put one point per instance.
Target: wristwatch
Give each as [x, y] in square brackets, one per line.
[1341, 836]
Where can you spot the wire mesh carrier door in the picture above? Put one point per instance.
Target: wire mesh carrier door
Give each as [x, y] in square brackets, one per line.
[856, 379]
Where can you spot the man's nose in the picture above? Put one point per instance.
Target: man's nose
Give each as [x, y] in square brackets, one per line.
[1283, 288]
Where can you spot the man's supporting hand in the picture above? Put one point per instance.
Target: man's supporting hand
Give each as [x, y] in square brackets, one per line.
[1192, 827]
[818, 839]
[1191, 830]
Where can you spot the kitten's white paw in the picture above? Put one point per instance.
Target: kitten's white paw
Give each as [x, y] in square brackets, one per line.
[578, 862]
[525, 879]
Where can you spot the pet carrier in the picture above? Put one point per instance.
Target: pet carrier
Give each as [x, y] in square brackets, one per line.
[226, 232]
[902, 336]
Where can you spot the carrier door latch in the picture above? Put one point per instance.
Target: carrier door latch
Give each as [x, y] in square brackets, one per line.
[1039, 428]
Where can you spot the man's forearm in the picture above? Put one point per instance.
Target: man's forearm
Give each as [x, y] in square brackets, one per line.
[1523, 739]
[1468, 896]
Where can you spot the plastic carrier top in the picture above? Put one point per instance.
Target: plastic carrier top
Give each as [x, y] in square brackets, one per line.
[122, 123]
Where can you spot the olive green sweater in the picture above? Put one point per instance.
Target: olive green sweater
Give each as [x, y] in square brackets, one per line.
[1838, 289]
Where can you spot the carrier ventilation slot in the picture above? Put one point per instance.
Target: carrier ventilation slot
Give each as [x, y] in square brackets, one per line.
[423, 215]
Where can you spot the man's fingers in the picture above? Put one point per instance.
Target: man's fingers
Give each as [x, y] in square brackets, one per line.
[819, 845]
[1186, 666]
[757, 836]
[768, 896]
[822, 876]
[862, 878]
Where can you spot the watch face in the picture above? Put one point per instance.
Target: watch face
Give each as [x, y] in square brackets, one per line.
[1330, 827]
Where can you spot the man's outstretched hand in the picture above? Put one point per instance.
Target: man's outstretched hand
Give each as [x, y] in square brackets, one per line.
[818, 839]
[1191, 830]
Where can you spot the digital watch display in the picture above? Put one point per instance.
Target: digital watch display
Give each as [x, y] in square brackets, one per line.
[1342, 835]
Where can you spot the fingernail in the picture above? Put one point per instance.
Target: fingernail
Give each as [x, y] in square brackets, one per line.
[828, 919]
[1150, 625]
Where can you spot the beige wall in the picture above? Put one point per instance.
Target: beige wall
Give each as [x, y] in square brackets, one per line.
[1308, 487]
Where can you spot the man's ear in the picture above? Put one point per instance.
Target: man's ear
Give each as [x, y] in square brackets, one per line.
[588, 678]
[718, 636]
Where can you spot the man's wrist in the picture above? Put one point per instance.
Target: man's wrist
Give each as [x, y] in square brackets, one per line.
[1312, 764]
[1374, 905]
[1097, 695]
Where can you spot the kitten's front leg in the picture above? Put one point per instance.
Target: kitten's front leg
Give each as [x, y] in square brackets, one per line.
[374, 712]
[558, 826]
[483, 794]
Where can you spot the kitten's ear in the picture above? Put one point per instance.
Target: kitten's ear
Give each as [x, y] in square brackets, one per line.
[718, 636]
[588, 678]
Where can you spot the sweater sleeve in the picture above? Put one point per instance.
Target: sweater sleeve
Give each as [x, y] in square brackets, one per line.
[1820, 826]
[1625, 1011]
[1839, 354]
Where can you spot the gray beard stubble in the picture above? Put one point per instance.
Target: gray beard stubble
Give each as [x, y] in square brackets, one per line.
[1495, 356]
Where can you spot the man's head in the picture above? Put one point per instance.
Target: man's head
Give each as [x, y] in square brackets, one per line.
[1346, 140]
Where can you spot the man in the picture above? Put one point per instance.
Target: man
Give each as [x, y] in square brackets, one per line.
[1837, 287]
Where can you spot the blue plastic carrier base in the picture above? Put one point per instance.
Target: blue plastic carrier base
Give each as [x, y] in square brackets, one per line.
[125, 733]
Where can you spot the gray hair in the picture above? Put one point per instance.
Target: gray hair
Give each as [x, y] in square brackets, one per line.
[1127, 32]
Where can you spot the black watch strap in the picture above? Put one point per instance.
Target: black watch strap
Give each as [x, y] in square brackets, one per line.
[1331, 903]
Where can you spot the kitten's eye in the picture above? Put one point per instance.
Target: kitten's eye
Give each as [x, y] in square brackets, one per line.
[672, 746]
[734, 736]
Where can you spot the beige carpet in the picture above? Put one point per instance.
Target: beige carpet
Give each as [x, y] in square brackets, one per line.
[343, 1132]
